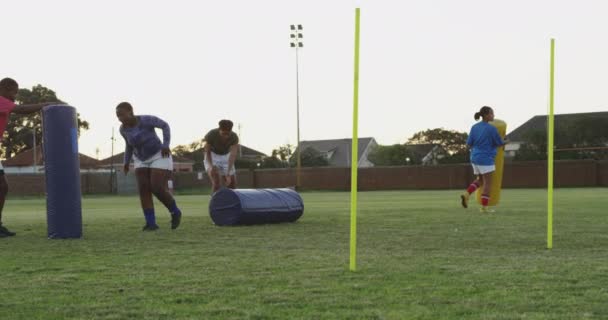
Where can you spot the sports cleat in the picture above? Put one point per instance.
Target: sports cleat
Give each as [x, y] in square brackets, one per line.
[486, 210]
[176, 219]
[4, 232]
[150, 227]
[464, 199]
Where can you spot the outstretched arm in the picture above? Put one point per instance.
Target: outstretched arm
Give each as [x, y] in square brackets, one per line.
[32, 108]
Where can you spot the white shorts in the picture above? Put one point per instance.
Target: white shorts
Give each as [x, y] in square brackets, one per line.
[479, 169]
[157, 161]
[220, 161]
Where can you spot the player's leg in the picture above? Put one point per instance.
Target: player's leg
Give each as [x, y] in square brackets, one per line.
[486, 189]
[4, 232]
[464, 197]
[142, 175]
[159, 183]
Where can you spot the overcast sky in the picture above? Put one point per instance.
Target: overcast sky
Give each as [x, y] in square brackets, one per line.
[424, 64]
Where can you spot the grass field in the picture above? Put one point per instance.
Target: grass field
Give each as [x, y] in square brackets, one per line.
[421, 256]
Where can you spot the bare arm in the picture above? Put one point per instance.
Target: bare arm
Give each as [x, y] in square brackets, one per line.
[31, 108]
[505, 141]
[500, 141]
[163, 125]
[234, 150]
[128, 153]
[207, 157]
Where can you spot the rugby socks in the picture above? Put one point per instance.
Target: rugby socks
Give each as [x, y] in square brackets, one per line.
[485, 199]
[473, 187]
[174, 209]
[150, 217]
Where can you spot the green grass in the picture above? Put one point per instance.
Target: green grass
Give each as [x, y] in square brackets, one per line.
[420, 257]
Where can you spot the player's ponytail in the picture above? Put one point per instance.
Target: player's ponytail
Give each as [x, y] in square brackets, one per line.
[485, 110]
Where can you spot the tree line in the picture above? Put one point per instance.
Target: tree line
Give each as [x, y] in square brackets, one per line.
[573, 140]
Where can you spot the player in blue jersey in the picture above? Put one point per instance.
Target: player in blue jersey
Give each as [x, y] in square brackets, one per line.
[483, 141]
[152, 160]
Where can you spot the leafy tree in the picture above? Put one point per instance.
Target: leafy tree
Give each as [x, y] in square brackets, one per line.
[452, 141]
[19, 135]
[395, 155]
[279, 158]
[186, 150]
[272, 162]
[463, 157]
[181, 151]
[192, 151]
[283, 153]
[240, 163]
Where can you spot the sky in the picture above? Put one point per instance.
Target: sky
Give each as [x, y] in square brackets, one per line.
[424, 64]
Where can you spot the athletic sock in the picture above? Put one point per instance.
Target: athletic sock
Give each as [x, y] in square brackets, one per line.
[150, 217]
[472, 187]
[485, 199]
[174, 209]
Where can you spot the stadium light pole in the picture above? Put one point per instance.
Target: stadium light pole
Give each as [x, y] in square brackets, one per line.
[297, 43]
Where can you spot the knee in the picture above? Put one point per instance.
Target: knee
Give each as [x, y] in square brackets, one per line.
[143, 187]
[157, 189]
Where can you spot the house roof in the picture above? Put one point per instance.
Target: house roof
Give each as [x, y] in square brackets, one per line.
[248, 152]
[26, 159]
[537, 123]
[118, 159]
[340, 149]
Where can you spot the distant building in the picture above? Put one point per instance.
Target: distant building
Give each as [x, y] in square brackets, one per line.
[180, 164]
[426, 154]
[249, 154]
[244, 153]
[518, 136]
[338, 152]
[23, 162]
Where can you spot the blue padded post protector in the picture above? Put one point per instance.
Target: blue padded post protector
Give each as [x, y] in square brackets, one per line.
[255, 206]
[62, 169]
